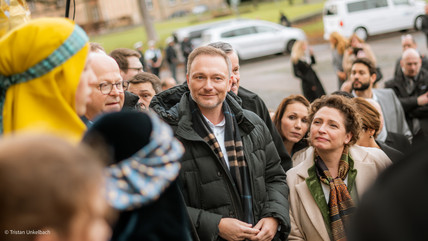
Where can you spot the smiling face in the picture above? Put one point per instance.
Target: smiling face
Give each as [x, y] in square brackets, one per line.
[328, 131]
[209, 81]
[107, 72]
[294, 122]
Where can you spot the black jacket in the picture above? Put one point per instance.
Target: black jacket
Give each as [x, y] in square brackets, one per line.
[311, 85]
[409, 101]
[207, 185]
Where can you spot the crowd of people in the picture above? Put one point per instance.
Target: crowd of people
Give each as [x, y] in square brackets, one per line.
[93, 147]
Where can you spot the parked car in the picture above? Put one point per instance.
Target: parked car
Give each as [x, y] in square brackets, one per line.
[194, 32]
[255, 38]
[371, 17]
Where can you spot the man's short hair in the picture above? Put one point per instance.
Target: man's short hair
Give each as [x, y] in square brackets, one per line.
[211, 51]
[226, 47]
[367, 62]
[121, 55]
[95, 47]
[147, 77]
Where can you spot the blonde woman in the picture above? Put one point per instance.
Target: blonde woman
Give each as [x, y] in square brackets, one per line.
[302, 59]
[338, 45]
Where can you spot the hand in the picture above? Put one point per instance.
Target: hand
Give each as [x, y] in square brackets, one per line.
[233, 229]
[268, 228]
[341, 75]
[423, 99]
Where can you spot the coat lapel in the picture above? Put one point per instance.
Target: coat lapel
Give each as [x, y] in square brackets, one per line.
[367, 171]
[308, 202]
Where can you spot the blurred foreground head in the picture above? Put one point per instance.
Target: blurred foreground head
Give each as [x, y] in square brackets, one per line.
[52, 188]
[44, 77]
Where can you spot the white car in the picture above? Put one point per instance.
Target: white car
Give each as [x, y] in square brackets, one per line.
[371, 17]
[255, 38]
[194, 32]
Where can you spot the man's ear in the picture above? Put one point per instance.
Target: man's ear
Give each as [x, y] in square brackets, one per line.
[230, 83]
[373, 78]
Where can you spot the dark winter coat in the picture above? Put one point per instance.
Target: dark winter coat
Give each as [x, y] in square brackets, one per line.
[410, 102]
[311, 85]
[206, 183]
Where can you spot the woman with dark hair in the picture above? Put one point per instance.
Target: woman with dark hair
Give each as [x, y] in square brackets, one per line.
[141, 176]
[291, 121]
[371, 121]
[333, 172]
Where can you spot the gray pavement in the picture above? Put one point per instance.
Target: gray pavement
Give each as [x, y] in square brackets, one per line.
[272, 77]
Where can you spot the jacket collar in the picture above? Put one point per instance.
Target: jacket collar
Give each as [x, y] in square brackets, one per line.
[184, 117]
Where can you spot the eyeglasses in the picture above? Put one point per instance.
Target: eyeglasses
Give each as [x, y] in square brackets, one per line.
[106, 88]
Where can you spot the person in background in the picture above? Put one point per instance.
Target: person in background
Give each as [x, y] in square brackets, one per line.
[171, 57]
[291, 121]
[142, 156]
[333, 173]
[338, 45]
[371, 124]
[407, 41]
[357, 49]
[424, 26]
[145, 86]
[283, 20]
[138, 46]
[302, 59]
[53, 191]
[411, 89]
[107, 91]
[153, 58]
[44, 83]
[186, 49]
[168, 83]
[128, 61]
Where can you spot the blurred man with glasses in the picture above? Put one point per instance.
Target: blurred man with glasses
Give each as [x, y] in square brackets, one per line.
[107, 93]
[128, 61]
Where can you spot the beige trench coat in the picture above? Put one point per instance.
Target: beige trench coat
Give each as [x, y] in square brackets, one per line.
[306, 219]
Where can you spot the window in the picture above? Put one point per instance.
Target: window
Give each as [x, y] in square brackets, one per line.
[377, 3]
[357, 6]
[401, 2]
[330, 10]
[239, 32]
[265, 29]
[172, 2]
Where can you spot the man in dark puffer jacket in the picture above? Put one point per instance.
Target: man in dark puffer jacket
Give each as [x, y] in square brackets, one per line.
[236, 194]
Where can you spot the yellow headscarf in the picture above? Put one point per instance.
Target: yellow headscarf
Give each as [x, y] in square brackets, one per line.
[40, 67]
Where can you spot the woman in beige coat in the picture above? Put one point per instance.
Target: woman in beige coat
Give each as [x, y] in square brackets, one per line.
[333, 173]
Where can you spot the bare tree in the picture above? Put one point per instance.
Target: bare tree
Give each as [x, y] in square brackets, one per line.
[148, 23]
